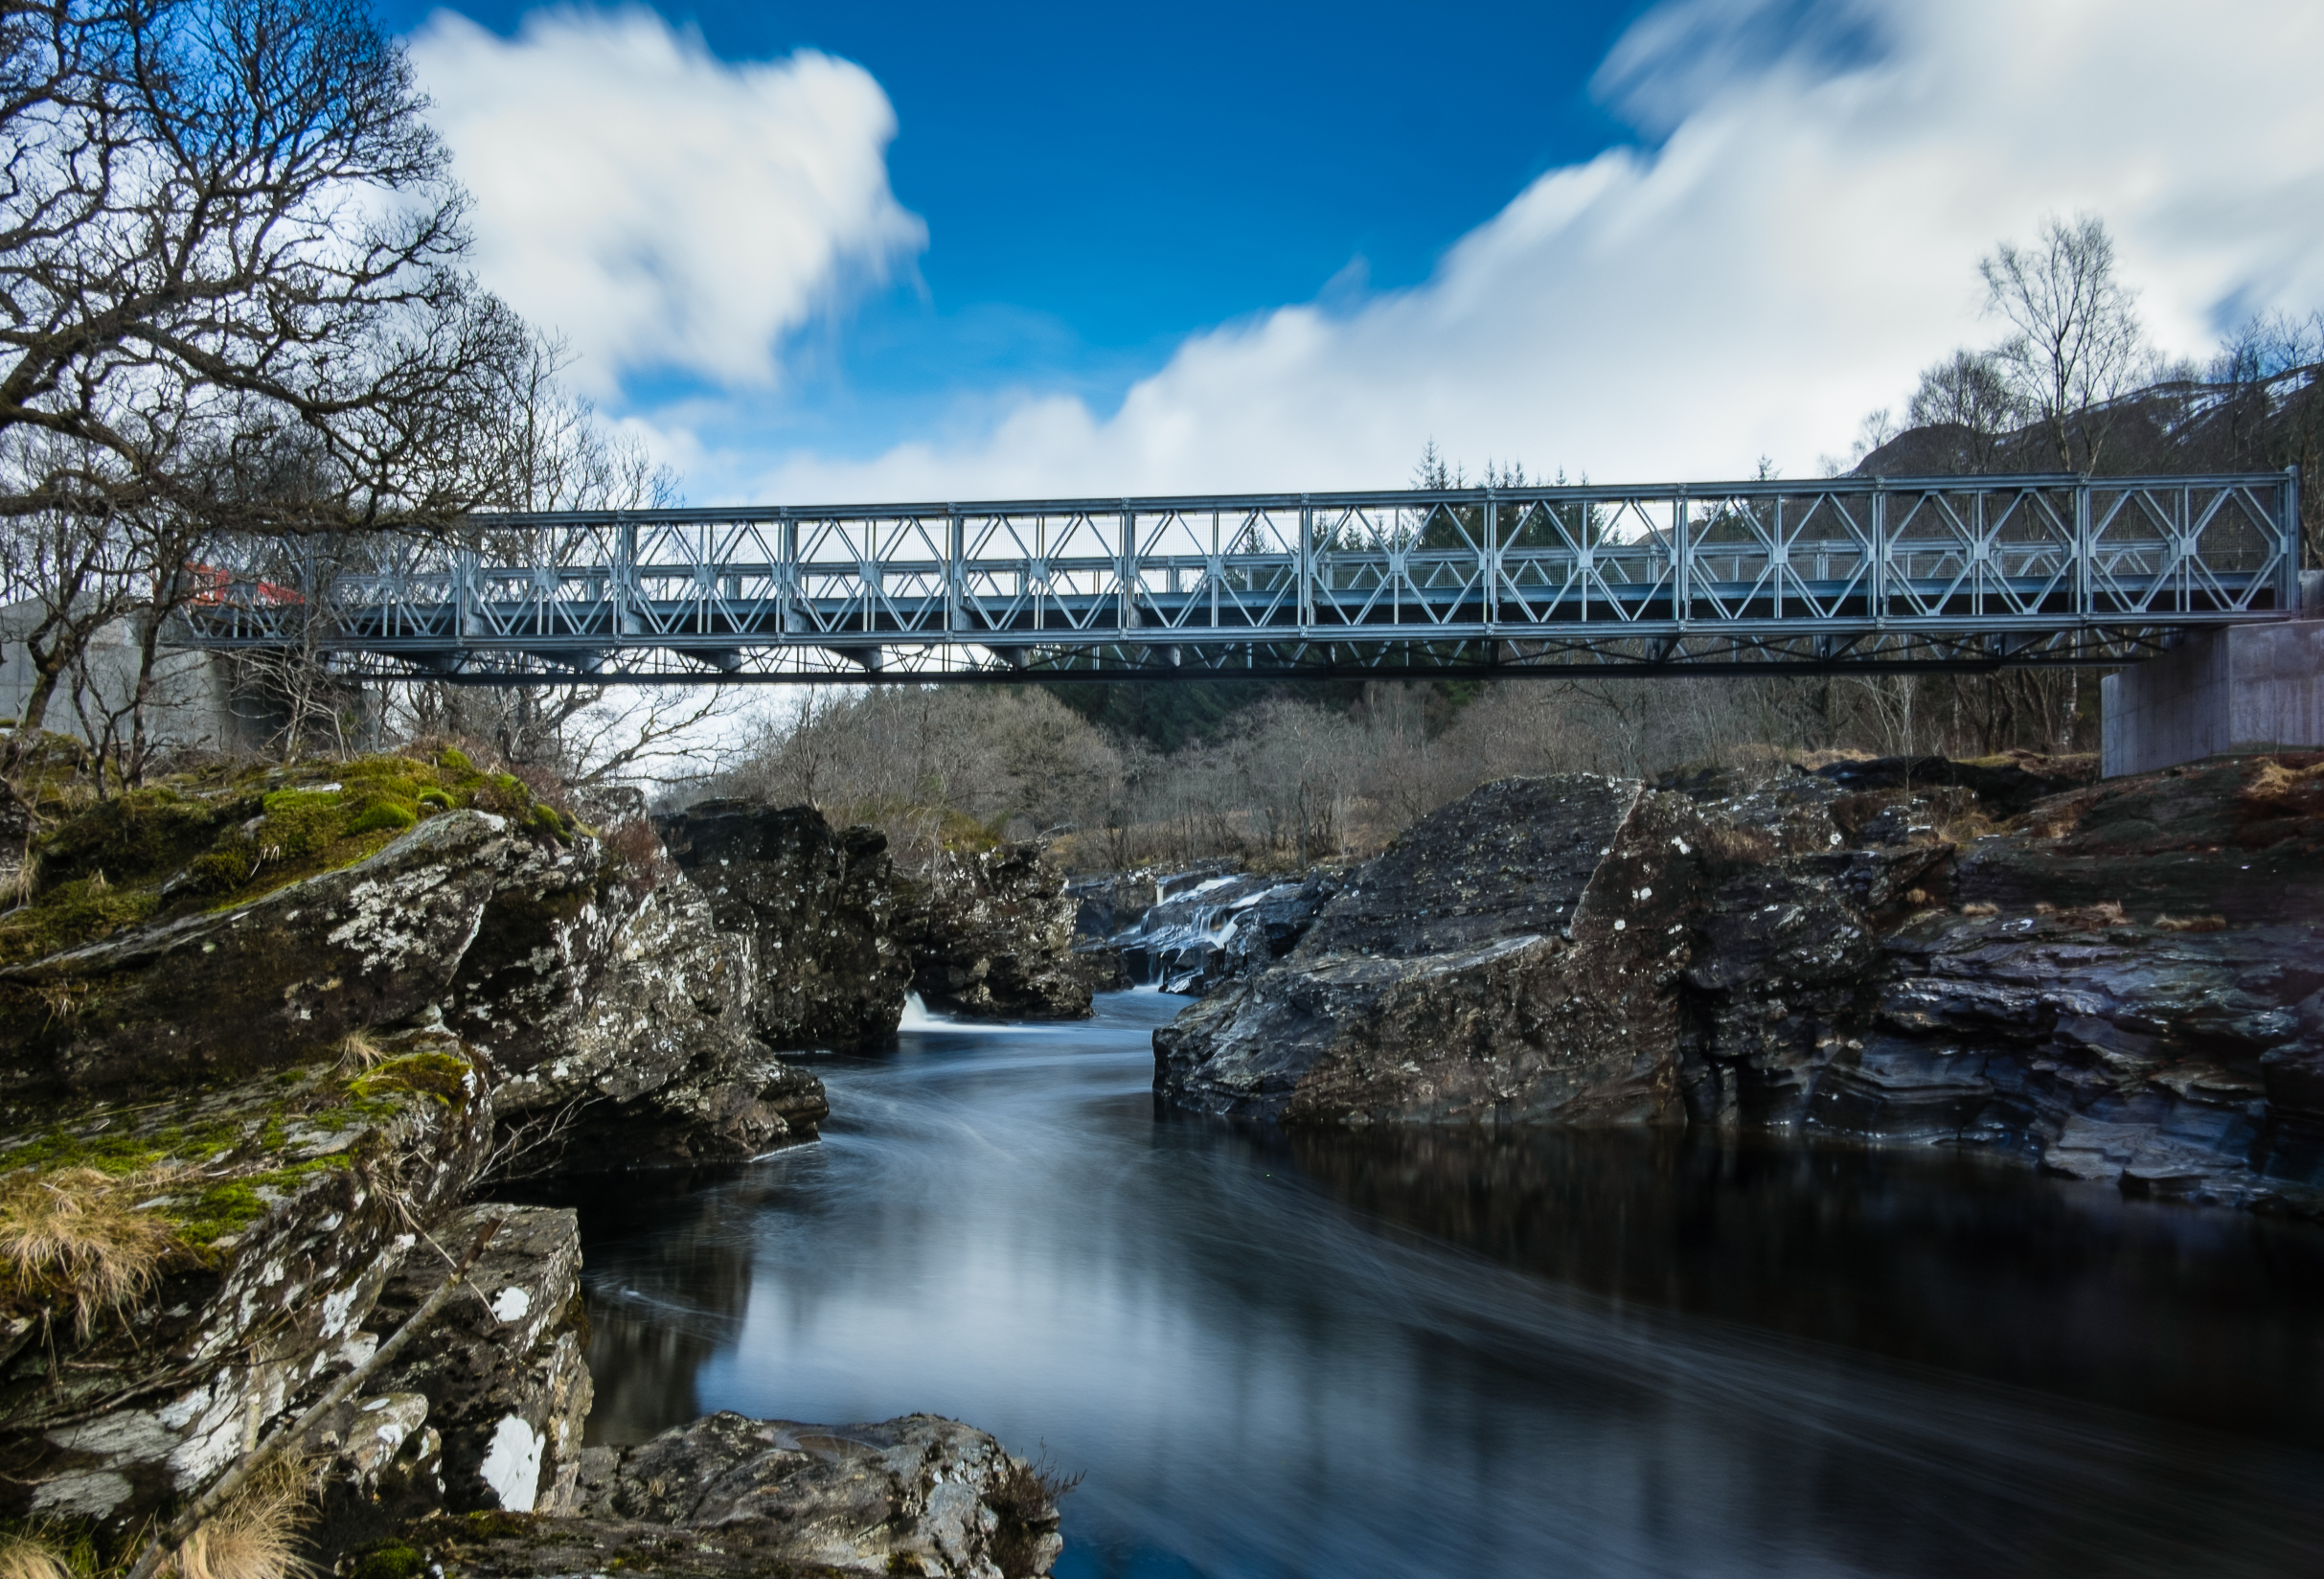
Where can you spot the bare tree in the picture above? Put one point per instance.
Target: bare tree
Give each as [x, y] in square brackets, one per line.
[226, 218]
[1968, 395]
[231, 301]
[2077, 345]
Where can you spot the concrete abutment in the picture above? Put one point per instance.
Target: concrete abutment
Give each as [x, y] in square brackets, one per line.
[2232, 689]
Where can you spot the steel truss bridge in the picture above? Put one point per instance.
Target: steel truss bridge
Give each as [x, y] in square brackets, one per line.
[1939, 573]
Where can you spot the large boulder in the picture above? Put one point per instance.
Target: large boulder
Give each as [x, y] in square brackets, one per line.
[990, 935]
[623, 1023]
[220, 994]
[1514, 957]
[813, 909]
[920, 1494]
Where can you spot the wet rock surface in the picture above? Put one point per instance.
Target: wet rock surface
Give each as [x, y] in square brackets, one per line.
[814, 910]
[992, 936]
[2122, 982]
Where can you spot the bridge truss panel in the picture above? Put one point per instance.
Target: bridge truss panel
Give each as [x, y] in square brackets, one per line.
[1928, 573]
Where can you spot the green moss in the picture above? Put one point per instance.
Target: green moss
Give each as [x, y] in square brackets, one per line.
[217, 1211]
[383, 813]
[122, 1153]
[438, 1075]
[71, 915]
[218, 839]
[388, 1560]
[128, 837]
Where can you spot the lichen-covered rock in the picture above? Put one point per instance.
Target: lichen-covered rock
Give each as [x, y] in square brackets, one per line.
[813, 911]
[502, 1369]
[920, 1496]
[622, 1022]
[1514, 957]
[1780, 975]
[626, 1023]
[292, 1195]
[992, 936]
[270, 983]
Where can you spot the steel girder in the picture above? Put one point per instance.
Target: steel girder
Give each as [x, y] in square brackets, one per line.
[1849, 573]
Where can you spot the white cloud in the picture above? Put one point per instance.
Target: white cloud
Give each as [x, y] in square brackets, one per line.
[1803, 238]
[663, 208]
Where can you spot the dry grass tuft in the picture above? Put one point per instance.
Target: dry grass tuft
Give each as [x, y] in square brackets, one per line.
[76, 1234]
[2190, 924]
[1980, 908]
[1965, 828]
[27, 1556]
[1738, 844]
[2096, 917]
[359, 1052]
[255, 1535]
[2276, 785]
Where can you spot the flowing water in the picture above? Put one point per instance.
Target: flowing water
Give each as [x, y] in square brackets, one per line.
[1445, 1354]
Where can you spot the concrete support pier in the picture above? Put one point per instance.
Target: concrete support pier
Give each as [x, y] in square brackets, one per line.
[2236, 687]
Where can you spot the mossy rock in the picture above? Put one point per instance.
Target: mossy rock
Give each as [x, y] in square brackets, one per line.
[225, 836]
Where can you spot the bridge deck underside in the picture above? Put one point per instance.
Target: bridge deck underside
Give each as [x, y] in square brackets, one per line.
[1942, 573]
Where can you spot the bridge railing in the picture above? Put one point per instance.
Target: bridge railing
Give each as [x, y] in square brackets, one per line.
[2062, 563]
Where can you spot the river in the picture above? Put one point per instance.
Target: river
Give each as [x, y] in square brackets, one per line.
[1613, 1354]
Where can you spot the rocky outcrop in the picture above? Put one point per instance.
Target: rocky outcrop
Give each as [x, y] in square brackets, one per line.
[289, 1199]
[1513, 958]
[990, 935]
[503, 1373]
[2124, 983]
[621, 1018]
[421, 978]
[814, 910]
[641, 1042]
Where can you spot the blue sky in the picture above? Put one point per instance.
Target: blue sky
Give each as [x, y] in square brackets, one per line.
[911, 248]
[1099, 182]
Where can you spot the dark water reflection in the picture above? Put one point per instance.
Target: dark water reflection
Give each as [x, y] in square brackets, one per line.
[1408, 1354]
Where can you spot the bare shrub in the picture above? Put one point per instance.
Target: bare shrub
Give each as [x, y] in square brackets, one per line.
[1966, 827]
[1025, 1495]
[76, 1234]
[637, 849]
